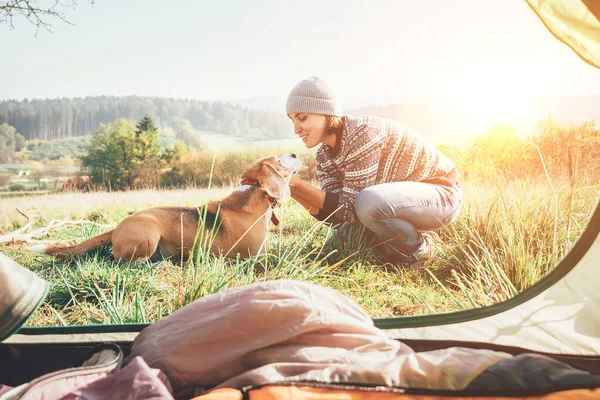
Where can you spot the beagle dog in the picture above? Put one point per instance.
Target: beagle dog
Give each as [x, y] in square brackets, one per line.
[237, 224]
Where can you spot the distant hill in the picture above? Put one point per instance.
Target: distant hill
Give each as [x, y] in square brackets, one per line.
[269, 103]
[64, 117]
[258, 118]
[443, 125]
[277, 104]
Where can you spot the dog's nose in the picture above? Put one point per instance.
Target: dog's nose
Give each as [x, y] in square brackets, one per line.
[293, 155]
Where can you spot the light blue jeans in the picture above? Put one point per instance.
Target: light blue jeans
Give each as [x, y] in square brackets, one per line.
[395, 212]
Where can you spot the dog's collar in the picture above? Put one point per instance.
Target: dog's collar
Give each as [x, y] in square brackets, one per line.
[272, 200]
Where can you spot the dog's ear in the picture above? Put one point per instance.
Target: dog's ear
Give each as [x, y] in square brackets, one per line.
[273, 182]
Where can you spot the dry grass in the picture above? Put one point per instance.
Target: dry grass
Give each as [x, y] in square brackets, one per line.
[507, 237]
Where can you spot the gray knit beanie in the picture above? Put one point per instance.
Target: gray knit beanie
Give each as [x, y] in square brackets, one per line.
[313, 96]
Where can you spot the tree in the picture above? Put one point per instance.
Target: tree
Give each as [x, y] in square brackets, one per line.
[573, 149]
[40, 15]
[145, 125]
[176, 153]
[146, 162]
[186, 132]
[37, 173]
[110, 157]
[146, 138]
[124, 155]
[147, 173]
[173, 157]
[56, 169]
[10, 142]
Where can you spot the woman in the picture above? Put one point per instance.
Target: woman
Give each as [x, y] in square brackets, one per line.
[375, 172]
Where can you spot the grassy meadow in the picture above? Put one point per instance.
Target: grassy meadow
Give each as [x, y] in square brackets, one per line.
[511, 232]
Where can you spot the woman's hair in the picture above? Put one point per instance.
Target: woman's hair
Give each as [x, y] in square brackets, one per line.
[335, 125]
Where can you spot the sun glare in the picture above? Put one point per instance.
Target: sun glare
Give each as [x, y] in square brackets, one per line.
[491, 92]
[486, 108]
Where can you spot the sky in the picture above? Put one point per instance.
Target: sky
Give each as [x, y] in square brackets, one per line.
[380, 51]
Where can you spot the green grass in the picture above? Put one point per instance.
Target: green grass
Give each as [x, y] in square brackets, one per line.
[508, 236]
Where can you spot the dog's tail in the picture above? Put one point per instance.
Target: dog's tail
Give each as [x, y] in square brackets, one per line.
[101, 240]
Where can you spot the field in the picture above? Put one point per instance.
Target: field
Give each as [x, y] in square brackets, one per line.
[509, 235]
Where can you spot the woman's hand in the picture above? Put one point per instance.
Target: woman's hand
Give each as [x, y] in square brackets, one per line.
[294, 180]
[310, 197]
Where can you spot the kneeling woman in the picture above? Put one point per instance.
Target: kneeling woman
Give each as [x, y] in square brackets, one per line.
[375, 172]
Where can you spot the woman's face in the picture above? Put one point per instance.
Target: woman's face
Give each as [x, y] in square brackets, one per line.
[310, 128]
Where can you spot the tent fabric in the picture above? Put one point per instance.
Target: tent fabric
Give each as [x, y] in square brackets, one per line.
[563, 319]
[575, 23]
[65, 338]
[21, 293]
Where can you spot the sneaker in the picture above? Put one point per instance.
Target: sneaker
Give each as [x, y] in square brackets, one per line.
[348, 232]
[337, 235]
[419, 259]
[427, 251]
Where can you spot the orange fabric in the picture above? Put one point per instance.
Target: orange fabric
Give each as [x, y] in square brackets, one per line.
[309, 393]
[221, 394]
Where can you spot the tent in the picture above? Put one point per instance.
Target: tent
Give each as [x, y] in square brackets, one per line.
[559, 316]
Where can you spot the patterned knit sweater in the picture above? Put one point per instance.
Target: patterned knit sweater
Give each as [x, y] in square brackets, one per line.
[370, 151]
